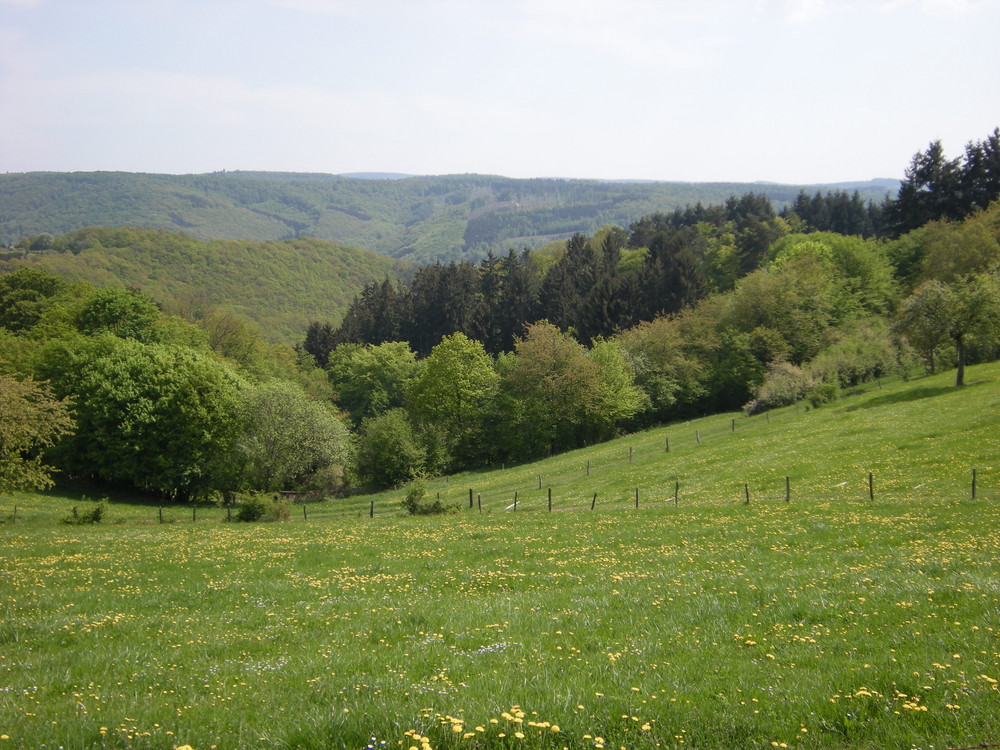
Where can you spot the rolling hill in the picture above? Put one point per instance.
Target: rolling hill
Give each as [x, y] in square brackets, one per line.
[419, 218]
[281, 285]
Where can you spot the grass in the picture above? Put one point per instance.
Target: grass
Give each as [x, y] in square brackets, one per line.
[830, 621]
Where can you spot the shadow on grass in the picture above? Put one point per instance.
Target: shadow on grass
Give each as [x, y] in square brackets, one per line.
[901, 397]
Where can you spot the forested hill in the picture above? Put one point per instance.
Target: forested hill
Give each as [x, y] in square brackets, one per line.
[280, 285]
[419, 218]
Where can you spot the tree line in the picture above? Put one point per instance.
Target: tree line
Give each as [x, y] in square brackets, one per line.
[681, 314]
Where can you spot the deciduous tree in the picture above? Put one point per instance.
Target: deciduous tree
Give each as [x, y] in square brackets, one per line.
[31, 420]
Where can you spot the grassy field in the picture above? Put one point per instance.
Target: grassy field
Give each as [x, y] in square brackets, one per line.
[829, 621]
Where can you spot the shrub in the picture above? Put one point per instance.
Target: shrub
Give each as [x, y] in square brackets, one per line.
[823, 393]
[416, 504]
[785, 384]
[97, 514]
[262, 508]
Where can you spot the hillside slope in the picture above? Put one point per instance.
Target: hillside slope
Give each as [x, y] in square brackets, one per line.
[419, 218]
[920, 439]
[281, 285]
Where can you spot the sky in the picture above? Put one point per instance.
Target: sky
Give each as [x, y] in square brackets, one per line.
[789, 91]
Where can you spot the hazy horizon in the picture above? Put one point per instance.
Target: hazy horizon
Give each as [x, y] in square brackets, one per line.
[784, 91]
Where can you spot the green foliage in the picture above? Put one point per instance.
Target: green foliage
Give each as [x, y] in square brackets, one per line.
[282, 440]
[97, 514]
[389, 451]
[279, 285]
[32, 419]
[939, 188]
[125, 313]
[558, 387]
[416, 503]
[957, 313]
[158, 417]
[24, 296]
[784, 384]
[618, 397]
[371, 379]
[859, 353]
[951, 250]
[422, 218]
[453, 391]
[257, 507]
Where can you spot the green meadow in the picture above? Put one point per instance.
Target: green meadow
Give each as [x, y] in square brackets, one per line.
[846, 613]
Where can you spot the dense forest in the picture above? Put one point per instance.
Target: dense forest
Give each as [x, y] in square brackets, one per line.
[705, 308]
[423, 219]
[278, 286]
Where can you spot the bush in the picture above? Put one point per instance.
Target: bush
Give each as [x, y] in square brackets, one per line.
[389, 451]
[416, 504]
[823, 393]
[97, 514]
[784, 385]
[263, 508]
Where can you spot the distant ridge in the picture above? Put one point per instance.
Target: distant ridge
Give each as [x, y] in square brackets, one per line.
[420, 218]
[376, 175]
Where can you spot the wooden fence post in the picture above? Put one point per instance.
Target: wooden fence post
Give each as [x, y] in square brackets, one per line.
[677, 490]
[788, 489]
[515, 501]
[697, 436]
[630, 454]
[479, 499]
[588, 467]
[973, 488]
[371, 510]
[734, 426]
[746, 489]
[470, 498]
[539, 481]
[636, 497]
[550, 499]
[666, 446]
[194, 513]
[593, 502]
[871, 486]
[159, 509]
[305, 515]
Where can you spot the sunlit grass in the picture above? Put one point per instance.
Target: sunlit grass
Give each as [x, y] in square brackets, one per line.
[830, 621]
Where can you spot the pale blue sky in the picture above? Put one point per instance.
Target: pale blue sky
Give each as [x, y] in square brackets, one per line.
[795, 91]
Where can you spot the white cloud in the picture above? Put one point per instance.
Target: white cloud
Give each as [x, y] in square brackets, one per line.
[805, 11]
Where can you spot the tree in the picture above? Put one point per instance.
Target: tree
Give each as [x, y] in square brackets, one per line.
[286, 441]
[929, 191]
[669, 375]
[159, 417]
[125, 313]
[453, 391]
[389, 451]
[951, 249]
[31, 420]
[24, 296]
[618, 397]
[557, 385]
[959, 312]
[371, 379]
